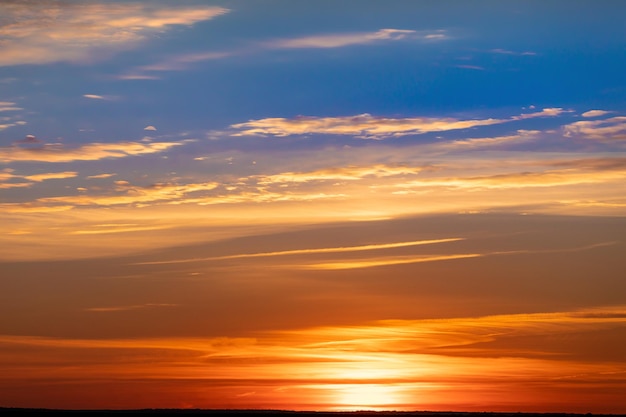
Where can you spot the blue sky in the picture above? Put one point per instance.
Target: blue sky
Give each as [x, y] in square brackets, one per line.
[219, 180]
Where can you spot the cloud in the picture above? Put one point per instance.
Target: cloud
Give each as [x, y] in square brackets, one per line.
[28, 139]
[549, 112]
[363, 126]
[337, 174]
[152, 128]
[38, 32]
[612, 128]
[549, 178]
[595, 113]
[507, 52]
[89, 152]
[185, 61]
[8, 175]
[129, 308]
[388, 260]
[359, 38]
[129, 194]
[94, 96]
[9, 106]
[472, 67]
[341, 249]
[99, 176]
[51, 176]
[366, 126]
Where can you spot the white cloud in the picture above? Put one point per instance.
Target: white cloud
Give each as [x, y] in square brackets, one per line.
[359, 38]
[595, 113]
[152, 128]
[508, 52]
[613, 128]
[549, 112]
[94, 96]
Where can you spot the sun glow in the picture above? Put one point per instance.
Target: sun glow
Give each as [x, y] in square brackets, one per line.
[367, 396]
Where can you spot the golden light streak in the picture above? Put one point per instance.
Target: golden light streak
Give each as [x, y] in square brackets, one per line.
[312, 251]
[388, 261]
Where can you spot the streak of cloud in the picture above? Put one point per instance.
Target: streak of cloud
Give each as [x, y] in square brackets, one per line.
[313, 251]
[348, 39]
[89, 152]
[366, 126]
[51, 176]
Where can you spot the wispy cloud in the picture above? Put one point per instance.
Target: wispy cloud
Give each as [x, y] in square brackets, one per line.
[313, 251]
[50, 31]
[367, 126]
[508, 52]
[51, 176]
[128, 308]
[549, 112]
[100, 176]
[595, 113]
[90, 152]
[471, 67]
[340, 40]
[387, 260]
[129, 194]
[350, 173]
[7, 178]
[9, 106]
[547, 178]
[613, 128]
[362, 126]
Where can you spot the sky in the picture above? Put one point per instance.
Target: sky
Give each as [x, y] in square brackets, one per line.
[313, 205]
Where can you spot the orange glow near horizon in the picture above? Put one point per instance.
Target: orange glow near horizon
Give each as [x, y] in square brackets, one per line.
[392, 365]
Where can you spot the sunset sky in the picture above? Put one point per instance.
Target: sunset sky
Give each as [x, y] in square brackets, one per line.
[313, 204]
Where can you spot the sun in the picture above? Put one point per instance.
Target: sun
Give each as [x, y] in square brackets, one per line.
[367, 396]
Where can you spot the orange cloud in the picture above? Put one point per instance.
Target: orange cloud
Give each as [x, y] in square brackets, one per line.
[133, 195]
[366, 126]
[89, 152]
[335, 174]
[51, 176]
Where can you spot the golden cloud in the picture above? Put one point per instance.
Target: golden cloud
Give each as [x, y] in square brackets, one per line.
[51, 176]
[49, 31]
[366, 126]
[89, 152]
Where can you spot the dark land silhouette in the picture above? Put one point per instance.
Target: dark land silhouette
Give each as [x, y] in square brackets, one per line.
[282, 413]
